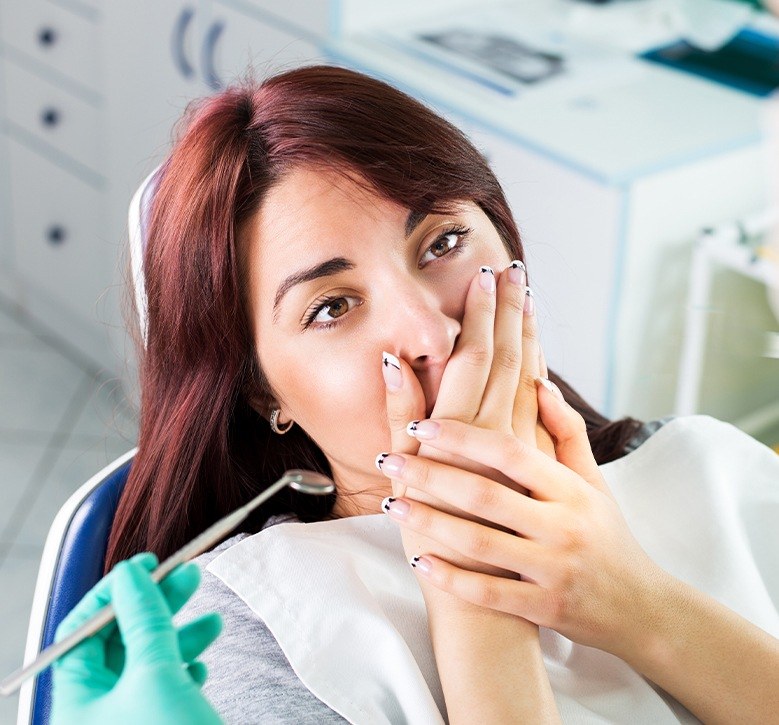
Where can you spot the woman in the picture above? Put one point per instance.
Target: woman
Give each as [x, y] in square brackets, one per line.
[307, 234]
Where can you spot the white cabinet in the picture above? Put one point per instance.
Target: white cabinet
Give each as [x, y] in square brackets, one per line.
[58, 261]
[59, 252]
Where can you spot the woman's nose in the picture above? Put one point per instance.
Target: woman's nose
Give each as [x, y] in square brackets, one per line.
[422, 326]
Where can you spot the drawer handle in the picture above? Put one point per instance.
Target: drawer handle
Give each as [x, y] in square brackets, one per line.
[209, 49]
[50, 117]
[56, 235]
[177, 43]
[47, 36]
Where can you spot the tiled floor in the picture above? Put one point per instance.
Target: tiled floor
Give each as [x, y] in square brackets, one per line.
[60, 422]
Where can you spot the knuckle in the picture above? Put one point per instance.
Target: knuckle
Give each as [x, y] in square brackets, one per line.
[529, 328]
[477, 355]
[527, 384]
[574, 537]
[487, 595]
[419, 474]
[478, 543]
[445, 578]
[421, 517]
[400, 414]
[482, 497]
[486, 305]
[513, 448]
[508, 357]
[515, 303]
[556, 609]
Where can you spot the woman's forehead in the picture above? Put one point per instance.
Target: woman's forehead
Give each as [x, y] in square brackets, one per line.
[307, 202]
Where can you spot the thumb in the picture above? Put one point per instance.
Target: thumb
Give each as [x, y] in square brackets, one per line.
[143, 617]
[567, 427]
[405, 402]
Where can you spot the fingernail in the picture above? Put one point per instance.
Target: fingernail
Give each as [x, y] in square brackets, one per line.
[395, 507]
[422, 563]
[389, 463]
[487, 279]
[390, 368]
[423, 429]
[530, 303]
[517, 274]
[551, 387]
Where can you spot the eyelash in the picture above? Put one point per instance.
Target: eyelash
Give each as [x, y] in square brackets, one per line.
[459, 231]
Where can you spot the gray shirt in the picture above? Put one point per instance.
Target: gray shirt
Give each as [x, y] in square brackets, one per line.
[250, 679]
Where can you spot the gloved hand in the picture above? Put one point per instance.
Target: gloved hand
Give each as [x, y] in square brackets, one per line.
[139, 669]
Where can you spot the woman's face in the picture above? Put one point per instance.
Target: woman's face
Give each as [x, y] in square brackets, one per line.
[335, 276]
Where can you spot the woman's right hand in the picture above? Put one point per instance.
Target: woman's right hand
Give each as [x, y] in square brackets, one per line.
[489, 381]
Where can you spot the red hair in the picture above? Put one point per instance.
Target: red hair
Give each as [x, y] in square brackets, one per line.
[203, 450]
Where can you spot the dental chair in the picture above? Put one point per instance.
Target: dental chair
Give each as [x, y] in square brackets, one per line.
[74, 552]
[71, 564]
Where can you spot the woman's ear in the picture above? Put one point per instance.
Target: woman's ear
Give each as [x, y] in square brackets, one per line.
[263, 404]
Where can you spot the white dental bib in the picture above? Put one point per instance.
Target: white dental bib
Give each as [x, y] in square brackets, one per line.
[700, 496]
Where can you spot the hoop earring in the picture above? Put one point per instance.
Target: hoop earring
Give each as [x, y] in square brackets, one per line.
[274, 423]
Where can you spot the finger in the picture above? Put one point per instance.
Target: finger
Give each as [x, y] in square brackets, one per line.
[496, 406]
[520, 461]
[405, 400]
[198, 672]
[572, 445]
[143, 617]
[481, 544]
[97, 598]
[542, 362]
[195, 636]
[93, 655]
[180, 585]
[525, 411]
[467, 371]
[520, 598]
[468, 492]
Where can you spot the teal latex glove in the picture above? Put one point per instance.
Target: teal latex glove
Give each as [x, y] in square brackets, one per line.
[139, 669]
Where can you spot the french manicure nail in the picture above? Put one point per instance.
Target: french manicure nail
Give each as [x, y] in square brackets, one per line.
[390, 463]
[422, 563]
[530, 303]
[487, 279]
[390, 368]
[517, 273]
[396, 507]
[423, 429]
[551, 387]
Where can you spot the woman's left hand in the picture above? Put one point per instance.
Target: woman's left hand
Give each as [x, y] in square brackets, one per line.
[583, 573]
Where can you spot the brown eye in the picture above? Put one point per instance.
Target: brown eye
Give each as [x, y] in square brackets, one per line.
[443, 245]
[337, 307]
[330, 310]
[449, 243]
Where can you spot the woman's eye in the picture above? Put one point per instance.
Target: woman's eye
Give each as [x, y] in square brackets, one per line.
[329, 311]
[448, 243]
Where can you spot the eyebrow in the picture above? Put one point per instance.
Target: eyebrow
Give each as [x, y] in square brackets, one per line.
[331, 266]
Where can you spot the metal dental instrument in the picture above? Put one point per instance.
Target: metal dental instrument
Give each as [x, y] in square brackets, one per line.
[300, 480]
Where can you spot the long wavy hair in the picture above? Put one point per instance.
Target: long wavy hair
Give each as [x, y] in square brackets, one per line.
[203, 449]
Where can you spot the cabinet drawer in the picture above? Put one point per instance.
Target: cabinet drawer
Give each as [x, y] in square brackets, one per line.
[56, 223]
[53, 115]
[66, 42]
